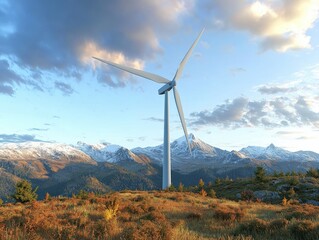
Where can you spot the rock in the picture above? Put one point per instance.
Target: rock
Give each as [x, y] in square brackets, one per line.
[313, 202]
[275, 181]
[265, 195]
[283, 188]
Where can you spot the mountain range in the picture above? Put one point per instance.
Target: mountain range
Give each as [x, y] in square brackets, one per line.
[62, 169]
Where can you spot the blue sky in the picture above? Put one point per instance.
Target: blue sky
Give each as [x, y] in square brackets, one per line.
[252, 78]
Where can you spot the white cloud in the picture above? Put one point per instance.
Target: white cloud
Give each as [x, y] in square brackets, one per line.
[280, 25]
[90, 49]
[293, 103]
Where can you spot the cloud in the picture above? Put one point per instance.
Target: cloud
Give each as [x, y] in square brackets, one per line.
[305, 113]
[64, 87]
[154, 119]
[16, 138]
[142, 139]
[5, 89]
[61, 36]
[8, 78]
[227, 114]
[38, 129]
[275, 89]
[279, 25]
[235, 71]
[277, 112]
[287, 133]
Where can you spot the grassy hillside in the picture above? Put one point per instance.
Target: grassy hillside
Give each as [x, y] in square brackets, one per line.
[156, 215]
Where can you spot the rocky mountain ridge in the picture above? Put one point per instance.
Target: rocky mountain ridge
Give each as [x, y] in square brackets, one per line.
[64, 169]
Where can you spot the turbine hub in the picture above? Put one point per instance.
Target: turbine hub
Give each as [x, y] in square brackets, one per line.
[167, 87]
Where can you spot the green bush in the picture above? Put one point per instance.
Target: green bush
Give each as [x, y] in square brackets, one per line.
[260, 174]
[304, 229]
[247, 195]
[83, 195]
[278, 224]
[312, 172]
[24, 192]
[254, 227]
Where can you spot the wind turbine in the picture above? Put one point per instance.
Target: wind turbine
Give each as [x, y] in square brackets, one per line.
[164, 90]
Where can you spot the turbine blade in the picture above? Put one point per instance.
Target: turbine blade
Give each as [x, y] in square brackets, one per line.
[185, 59]
[181, 116]
[147, 75]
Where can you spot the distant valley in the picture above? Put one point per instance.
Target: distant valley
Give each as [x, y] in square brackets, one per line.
[62, 169]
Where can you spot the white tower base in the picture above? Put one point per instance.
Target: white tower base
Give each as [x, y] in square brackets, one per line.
[167, 151]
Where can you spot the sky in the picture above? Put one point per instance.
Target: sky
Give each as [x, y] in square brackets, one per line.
[252, 80]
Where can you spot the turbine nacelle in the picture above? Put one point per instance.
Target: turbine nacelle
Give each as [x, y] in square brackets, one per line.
[167, 87]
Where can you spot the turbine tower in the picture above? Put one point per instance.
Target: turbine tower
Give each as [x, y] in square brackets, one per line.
[164, 90]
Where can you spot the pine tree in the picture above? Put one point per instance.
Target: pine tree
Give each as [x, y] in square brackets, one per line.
[212, 193]
[260, 174]
[201, 183]
[47, 197]
[218, 181]
[180, 187]
[24, 192]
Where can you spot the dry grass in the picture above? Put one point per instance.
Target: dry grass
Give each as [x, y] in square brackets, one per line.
[156, 215]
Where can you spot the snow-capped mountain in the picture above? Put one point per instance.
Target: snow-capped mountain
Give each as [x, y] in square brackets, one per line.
[55, 156]
[103, 152]
[63, 168]
[42, 150]
[202, 155]
[111, 153]
[278, 154]
[38, 160]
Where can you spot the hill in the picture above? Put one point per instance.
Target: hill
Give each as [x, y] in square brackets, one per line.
[63, 169]
[156, 215]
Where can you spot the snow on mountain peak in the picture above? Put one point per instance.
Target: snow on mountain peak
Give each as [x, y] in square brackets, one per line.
[271, 146]
[36, 150]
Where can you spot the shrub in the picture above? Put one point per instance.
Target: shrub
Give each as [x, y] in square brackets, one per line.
[253, 227]
[203, 192]
[24, 192]
[133, 209]
[201, 183]
[180, 187]
[218, 181]
[294, 180]
[212, 193]
[171, 188]
[260, 174]
[312, 172]
[155, 216]
[247, 195]
[294, 202]
[47, 197]
[278, 224]
[147, 230]
[111, 209]
[83, 195]
[301, 214]
[1, 201]
[194, 216]
[138, 198]
[291, 193]
[228, 214]
[304, 230]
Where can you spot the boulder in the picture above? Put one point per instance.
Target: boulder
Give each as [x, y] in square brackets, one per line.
[265, 195]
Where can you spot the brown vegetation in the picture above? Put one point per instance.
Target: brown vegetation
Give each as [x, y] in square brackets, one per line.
[156, 215]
